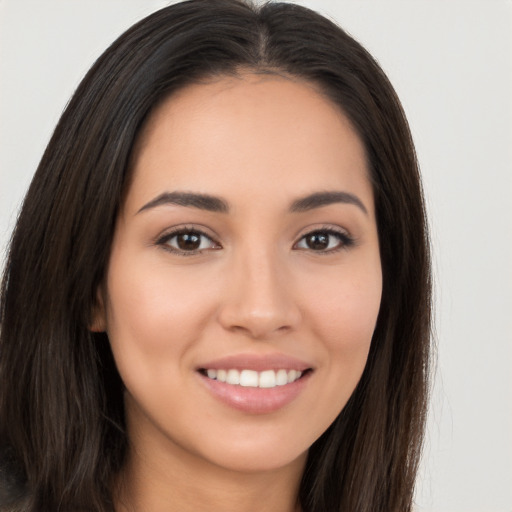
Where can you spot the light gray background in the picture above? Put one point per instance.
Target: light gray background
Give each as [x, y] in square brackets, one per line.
[450, 62]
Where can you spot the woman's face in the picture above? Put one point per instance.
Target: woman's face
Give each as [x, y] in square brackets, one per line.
[244, 280]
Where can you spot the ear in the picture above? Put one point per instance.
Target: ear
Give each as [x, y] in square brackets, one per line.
[98, 313]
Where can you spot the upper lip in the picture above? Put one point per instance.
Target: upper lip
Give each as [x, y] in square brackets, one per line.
[256, 362]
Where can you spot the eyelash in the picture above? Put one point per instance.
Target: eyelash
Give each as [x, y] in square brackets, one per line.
[345, 241]
[167, 237]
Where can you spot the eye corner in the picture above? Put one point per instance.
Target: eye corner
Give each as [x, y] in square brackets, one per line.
[325, 240]
[195, 241]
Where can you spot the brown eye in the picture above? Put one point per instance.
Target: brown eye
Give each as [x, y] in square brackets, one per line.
[187, 242]
[317, 241]
[324, 241]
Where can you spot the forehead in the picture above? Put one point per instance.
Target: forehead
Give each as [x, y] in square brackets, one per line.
[252, 132]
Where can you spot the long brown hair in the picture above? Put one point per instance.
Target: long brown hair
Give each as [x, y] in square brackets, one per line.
[62, 436]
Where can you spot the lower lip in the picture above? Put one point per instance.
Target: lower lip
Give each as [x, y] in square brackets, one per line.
[255, 400]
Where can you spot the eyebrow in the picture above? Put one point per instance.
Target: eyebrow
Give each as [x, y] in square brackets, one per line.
[218, 205]
[189, 199]
[319, 199]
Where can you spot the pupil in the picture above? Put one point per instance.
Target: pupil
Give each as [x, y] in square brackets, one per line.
[189, 241]
[318, 241]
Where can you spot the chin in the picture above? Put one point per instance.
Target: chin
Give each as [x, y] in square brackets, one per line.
[250, 462]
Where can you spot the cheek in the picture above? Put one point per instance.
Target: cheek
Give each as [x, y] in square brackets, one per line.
[344, 314]
[348, 300]
[153, 316]
[153, 298]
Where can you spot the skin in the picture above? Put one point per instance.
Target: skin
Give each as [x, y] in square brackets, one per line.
[259, 142]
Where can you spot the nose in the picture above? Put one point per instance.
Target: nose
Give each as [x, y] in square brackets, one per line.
[259, 300]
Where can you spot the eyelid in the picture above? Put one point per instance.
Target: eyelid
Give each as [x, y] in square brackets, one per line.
[347, 240]
[162, 239]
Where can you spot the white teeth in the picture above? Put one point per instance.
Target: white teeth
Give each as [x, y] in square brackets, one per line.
[233, 377]
[282, 377]
[249, 378]
[254, 379]
[267, 379]
[293, 375]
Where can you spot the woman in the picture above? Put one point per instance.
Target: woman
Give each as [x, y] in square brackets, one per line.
[218, 291]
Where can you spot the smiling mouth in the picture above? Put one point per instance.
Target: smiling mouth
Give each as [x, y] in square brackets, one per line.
[253, 379]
